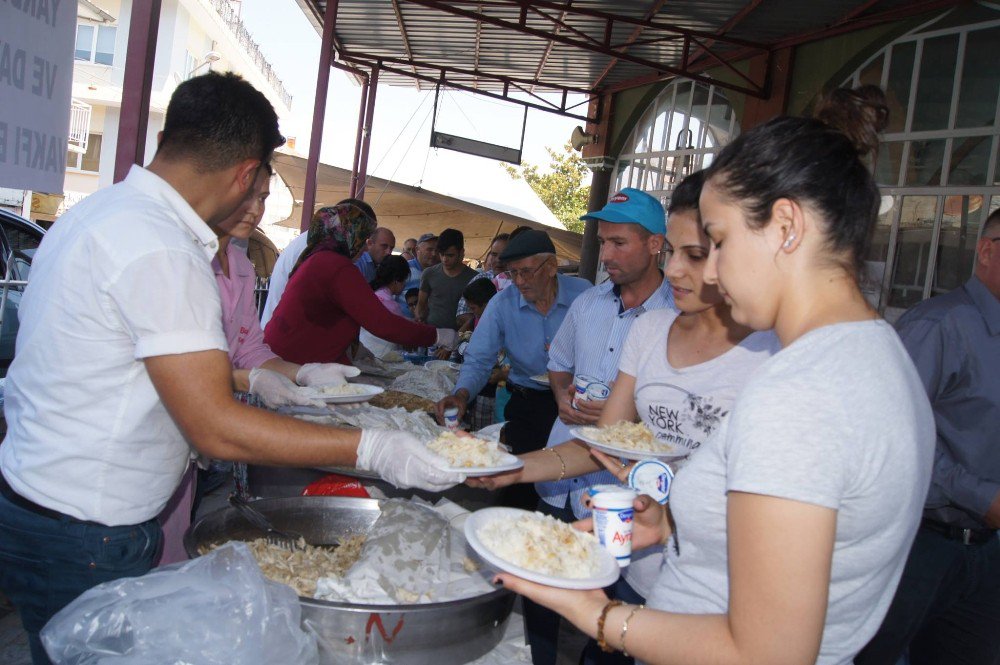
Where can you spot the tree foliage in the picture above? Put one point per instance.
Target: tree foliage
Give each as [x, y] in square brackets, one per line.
[563, 187]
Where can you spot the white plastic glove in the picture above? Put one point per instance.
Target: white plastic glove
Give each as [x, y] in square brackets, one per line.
[278, 390]
[325, 374]
[447, 338]
[403, 461]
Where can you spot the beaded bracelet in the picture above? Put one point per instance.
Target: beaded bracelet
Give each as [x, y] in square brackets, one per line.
[621, 639]
[600, 625]
[562, 474]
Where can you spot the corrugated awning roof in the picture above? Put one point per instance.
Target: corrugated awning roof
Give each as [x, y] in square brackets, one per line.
[516, 48]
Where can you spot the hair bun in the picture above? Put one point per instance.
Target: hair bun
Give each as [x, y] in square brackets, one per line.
[860, 114]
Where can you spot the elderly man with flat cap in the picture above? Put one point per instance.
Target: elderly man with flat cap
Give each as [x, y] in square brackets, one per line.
[523, 322]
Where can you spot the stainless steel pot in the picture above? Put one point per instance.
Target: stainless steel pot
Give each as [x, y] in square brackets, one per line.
[452, 632]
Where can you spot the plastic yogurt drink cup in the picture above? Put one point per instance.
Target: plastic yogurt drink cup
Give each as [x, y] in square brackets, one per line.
[451, 417]
[652, 477]
[587, 387]
[613, 515]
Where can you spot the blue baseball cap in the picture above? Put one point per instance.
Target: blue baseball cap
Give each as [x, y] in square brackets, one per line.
[633, 206]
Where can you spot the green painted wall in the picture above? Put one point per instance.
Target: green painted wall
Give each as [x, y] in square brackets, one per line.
[826, 63]
[817, 66]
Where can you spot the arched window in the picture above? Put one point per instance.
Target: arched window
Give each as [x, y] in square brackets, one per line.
[937, 163]
[680, 132]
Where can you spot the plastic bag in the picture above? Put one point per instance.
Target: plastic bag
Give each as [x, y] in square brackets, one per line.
[411, 555]
[218, 608]
[432, 384]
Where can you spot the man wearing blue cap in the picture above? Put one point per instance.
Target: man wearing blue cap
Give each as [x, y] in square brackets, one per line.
[631, 230]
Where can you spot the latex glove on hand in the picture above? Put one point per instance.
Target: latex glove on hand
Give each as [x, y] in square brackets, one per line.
[278, 390]
[399, 458]
[447, 338]
[325, 374]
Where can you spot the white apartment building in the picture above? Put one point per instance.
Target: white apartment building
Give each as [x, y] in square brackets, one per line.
[194, 36]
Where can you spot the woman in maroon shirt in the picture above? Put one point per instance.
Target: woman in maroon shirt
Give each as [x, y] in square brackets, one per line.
[327, 300]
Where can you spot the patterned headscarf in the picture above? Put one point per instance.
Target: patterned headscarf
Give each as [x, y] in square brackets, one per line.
[342, 228]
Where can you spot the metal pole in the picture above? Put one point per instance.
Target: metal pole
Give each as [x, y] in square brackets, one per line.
[319, 112]
[600, 184]
[362, 109]
[366, 141]
[133, 117]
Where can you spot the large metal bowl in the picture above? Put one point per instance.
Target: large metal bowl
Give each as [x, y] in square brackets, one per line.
[451, 632]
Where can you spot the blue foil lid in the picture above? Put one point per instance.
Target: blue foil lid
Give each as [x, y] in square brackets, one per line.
[652, 477]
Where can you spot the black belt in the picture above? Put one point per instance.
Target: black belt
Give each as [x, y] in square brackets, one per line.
[966, 536]
[8, 493]
[527, 392]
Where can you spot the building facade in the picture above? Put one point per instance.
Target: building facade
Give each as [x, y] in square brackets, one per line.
[937, 164]
[195, 36]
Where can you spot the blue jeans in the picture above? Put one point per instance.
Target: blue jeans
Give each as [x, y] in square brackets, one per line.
[541, 625]
[45, 563]
[947, 606]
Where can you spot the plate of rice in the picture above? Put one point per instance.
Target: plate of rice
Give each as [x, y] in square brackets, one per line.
[472, 456]
[345, 394]
[540, 548]
[629, 440]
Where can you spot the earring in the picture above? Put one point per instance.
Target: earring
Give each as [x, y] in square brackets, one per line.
[789, 240]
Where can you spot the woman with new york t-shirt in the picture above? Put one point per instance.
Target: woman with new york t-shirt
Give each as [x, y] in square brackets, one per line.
[679, 372]
[789, 529]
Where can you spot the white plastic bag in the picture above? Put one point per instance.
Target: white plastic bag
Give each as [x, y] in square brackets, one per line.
[216, 609]
[410, 555]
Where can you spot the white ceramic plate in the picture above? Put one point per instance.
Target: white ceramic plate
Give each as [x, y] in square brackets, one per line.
[608, 570]
[442, 365]
[509, 464]
[541, 378]
[369, 392]
[627, 453]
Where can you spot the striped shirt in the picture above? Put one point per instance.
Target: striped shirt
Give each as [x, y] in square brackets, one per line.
[590, 342]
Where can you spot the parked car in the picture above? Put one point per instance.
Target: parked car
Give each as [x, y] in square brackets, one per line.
[19, 239]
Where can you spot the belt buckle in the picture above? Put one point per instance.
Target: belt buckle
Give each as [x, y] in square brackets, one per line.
[966, 536]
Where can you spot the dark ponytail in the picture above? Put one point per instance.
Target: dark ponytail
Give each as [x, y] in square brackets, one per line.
[392, 269]
[820, 162]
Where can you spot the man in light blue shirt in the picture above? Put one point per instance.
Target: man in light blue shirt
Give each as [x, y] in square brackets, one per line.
[523, 322]
[631, 229]
[379, 246]
[425, 255]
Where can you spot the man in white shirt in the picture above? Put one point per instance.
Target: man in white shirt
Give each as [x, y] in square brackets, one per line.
[121, 364]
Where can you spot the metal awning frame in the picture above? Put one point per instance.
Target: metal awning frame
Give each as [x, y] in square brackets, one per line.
[619, 52]
[695, 44]
[510, 84]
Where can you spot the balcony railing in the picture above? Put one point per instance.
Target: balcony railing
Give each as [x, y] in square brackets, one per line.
[79, 126]
[232, 19]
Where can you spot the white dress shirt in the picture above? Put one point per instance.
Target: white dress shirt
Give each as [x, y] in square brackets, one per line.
[279, 276]
[124, 275]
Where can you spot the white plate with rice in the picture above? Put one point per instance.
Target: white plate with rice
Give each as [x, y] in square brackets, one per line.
[540, 548]
[473, 457]
[348, 393]
[629, 440]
